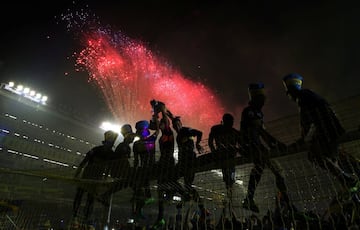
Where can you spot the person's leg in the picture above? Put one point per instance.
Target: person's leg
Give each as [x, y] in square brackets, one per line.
[345, 179]
[229, 179]
[139, 200]
[280, 181]
[160, 221]
[89, 207]
[77, 201]
[349, 164]
[255, 177]
[161, 204]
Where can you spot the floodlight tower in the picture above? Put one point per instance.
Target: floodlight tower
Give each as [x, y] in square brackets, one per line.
[26, 92]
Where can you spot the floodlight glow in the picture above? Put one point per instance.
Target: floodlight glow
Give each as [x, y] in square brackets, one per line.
[38, 96]
[109, 126]
[19, 87]
[26, 90]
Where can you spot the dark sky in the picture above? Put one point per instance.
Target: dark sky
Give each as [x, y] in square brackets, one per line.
[225, 44]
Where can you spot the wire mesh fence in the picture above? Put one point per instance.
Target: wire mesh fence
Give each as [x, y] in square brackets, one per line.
[38, 187]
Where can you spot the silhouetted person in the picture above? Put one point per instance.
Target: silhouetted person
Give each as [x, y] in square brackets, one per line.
[158, 107]
[94, 166]
[144, 161]
[120, 169]
[253, 135]
[167, 179]
[320, 130]
[123, 153]
[186, 154]
[224, 143]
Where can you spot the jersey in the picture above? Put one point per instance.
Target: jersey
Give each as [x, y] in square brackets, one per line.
[317, 111]
[252, 122]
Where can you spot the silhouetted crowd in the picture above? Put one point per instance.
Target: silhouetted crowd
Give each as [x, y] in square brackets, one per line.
[320, 132]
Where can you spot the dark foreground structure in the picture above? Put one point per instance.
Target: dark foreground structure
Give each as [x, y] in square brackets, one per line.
[40, 148]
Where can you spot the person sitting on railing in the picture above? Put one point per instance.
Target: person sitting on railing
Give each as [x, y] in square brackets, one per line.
[94, 166]
[224, 143]
[144, 162]
[186, 154]
[320, 132]
[120, 169]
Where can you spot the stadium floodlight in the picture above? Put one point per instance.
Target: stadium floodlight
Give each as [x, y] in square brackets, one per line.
[19, 88]
[44, 99]
[26, 92]
[38, 96]
[106, 125]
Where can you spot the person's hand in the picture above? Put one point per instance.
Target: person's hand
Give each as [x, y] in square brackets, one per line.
[310, 134]
[199, 148]
[278, 147]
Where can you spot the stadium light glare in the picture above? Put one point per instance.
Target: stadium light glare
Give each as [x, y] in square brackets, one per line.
[38, 96]
[19, 88]
[106, 125]
[44, 98]
[26, 92]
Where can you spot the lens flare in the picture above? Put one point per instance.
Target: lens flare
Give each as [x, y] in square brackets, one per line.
[129, 75]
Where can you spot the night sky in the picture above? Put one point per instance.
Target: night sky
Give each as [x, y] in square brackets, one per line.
[224, 44]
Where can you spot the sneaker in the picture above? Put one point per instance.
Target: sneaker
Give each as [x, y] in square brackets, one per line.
[355, 187]
[149, 200]
[159, 224]
[249, 204]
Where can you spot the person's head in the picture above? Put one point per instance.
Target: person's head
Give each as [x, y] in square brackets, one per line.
[292, 83]
[227, 120]
[257, 94]
[157, 106]
[127, 132]
[142, 128]
[176, 123]
[110, 137]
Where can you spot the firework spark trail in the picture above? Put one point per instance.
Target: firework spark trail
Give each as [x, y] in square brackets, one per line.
[129, 76]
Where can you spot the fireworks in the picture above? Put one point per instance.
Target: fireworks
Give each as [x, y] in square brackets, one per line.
[129, 75]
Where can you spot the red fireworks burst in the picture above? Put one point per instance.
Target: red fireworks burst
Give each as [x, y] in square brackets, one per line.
[129, 76]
